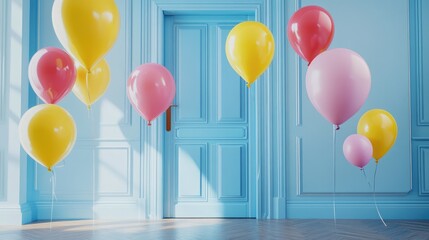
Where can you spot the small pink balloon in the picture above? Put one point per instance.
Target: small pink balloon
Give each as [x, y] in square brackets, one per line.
[151, 90]
[52, 74]
[338, 83]
[358, 150]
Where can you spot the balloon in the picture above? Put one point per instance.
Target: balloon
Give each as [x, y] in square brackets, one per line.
[151, 90]
[358, 150]
[379, 126]
[249, 49]
[98, 81]
[52, 74]
[47, 133]
[338, 83]
[310, 31]
[87, 29]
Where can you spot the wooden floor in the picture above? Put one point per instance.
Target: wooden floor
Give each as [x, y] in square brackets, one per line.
[190, 229]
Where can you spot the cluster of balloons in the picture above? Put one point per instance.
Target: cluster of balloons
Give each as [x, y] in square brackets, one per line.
[48, 131]
[87, 36]
[338, 82]
[376, 133]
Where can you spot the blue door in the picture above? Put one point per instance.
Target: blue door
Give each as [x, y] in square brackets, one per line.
[209, 169]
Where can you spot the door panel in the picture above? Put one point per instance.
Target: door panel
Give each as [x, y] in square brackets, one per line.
[231, 96]
[206, 166]
[232, 165]
[191, 60]
[191, 163]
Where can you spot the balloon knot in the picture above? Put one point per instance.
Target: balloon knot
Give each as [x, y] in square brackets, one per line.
[89, 107]
[337, 127]
[149, 123]
[248, 85]
[49, 169]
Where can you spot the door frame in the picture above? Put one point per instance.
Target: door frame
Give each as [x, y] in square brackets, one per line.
[169, 142]
[261, 100]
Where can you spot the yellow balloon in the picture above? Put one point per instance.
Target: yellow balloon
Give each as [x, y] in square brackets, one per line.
[47, 133]
[86, 29]
[379, 126]
[250, 49]
[98, 81]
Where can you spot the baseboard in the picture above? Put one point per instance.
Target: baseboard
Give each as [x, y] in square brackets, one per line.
[63, 210]
[403, 210]
[15, 214]
[279, 208]
[28, 213]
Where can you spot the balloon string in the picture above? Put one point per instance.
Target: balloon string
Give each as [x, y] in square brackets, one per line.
[53, 195]
[373, 196]
[92, 137]
[87, 90]
[366, 178]
[334, 136]
[93, 165]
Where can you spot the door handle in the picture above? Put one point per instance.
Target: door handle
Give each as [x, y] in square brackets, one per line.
[168, 118]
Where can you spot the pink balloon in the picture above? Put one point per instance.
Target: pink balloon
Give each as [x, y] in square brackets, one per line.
[52, 74]
[338, 83]
[358, 150]
[151, 90]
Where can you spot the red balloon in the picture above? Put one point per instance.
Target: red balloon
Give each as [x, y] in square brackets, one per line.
[52, 74]
[310, 31]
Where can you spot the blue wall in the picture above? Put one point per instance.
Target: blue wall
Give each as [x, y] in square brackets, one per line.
[293, 143]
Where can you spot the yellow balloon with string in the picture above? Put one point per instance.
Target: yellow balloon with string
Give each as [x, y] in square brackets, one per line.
[88, 88]
[47, 133]
[380, 127]
[249, 49]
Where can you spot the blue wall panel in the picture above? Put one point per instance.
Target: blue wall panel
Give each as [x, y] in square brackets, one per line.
[386, 41]
[388, 58]
[423, 116]
[104, 165]
[423, 153]
[420, 88]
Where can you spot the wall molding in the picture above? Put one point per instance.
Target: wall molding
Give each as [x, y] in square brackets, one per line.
[418, 41]
[94, 149]
[298, 80]
[358, 210]
[16, 214]
[298, 162]
[423, 165]
[3, 179]
[123, 210]
[3, 56]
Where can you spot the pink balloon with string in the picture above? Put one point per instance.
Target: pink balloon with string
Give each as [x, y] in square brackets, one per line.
[358, 150]
[151, 90]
